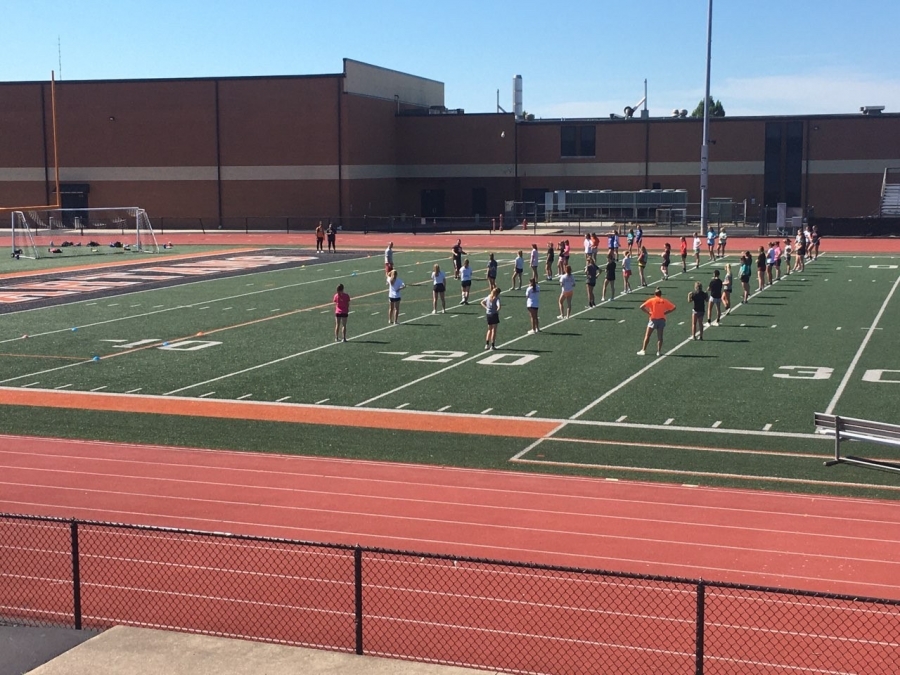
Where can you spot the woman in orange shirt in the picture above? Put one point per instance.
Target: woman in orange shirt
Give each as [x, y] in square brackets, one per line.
[656, 308]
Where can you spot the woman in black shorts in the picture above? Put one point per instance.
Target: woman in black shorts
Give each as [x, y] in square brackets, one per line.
[761, 265]
[549, 267]
[438, 281]
[666, 260]
[610, 280]
[491, 306]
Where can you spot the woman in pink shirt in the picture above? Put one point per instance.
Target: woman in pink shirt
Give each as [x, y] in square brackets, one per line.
[341, 310]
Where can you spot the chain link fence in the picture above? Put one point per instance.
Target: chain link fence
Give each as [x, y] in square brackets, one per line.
[501, 616]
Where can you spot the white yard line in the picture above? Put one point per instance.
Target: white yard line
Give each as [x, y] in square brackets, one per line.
[859, 352]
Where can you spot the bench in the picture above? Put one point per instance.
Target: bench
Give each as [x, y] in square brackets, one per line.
[852, 429]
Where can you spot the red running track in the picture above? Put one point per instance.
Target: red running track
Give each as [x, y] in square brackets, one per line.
[826, 544]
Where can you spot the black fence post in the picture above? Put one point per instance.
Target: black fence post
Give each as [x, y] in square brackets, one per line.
[357, 579]
[76, 575]
[701, 610]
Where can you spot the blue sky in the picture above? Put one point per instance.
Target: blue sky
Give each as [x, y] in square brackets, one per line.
[578, 58]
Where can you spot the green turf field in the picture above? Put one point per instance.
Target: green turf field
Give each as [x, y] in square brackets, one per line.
[734, 409]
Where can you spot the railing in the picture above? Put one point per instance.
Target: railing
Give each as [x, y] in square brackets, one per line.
[502, 616]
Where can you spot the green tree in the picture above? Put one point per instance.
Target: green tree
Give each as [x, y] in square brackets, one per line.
[715, 109]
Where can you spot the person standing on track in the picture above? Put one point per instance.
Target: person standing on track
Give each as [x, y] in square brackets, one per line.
[723, 240]
[642, 265]
[518, 269]
[534, 261]
[639, 237]
[696, 250]
[610, 278]
[457, 253]
[466, 283]
[787, 256]
[532, 301]
[711, 242]
[761, 268]
[715, 298]
[492, 273]
[629, 239]
[438, 287]
[395, 285]
[331, 233]
[566, 290]
[341, 312]
[626, 272]
[666, 260]
[656, 308]
[683, 254]
[320, 237]
[491, 306]
[548, 266]
[698, 299]
[744, 273]
[389, 258]
[590, 273]
[727, 287]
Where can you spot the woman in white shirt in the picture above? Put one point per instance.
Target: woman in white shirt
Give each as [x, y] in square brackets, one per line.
[395, 285]
[466, 283]
[567, 289]
[532, 300]
[438, 281]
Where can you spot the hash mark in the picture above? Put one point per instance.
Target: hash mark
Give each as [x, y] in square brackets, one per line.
[402, 405]
[446, 407]
[767, 427]
[669, 421]
[320, 402]
[530, 414]
[132, 391]
[30, 384]
[99, 388]
[717, 424]
[622, 418]
[241, 398]
[63, 386]
[486, 411]
[209, 393]
[283, 398]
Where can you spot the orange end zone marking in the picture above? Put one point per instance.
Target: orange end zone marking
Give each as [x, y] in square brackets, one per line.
[279, 412]
[121, 263]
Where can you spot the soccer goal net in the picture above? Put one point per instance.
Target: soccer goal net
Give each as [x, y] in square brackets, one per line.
[129, 227]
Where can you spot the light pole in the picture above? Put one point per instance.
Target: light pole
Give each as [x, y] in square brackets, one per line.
[704, 149]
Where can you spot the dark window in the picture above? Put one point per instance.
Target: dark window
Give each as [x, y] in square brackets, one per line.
[577, 141]
[433, 203]
[479, 201]
[793, 164]
[783, 173]
[772, 171]
[587, 144]
[567, 142]
[657, 186]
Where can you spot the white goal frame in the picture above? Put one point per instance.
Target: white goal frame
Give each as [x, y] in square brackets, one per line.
[25, 225]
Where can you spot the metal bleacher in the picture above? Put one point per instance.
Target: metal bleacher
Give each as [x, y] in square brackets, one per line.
[890, 193]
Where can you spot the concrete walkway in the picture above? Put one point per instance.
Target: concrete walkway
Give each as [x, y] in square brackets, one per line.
[140, 651]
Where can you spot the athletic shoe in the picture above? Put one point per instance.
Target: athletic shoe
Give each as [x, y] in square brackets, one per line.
[494, 347]
[717, 322]
[560, 317]
[344, 340]
[434, 311]
[486, 347]
[443, 311]
[642, 353]
[658, 353]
